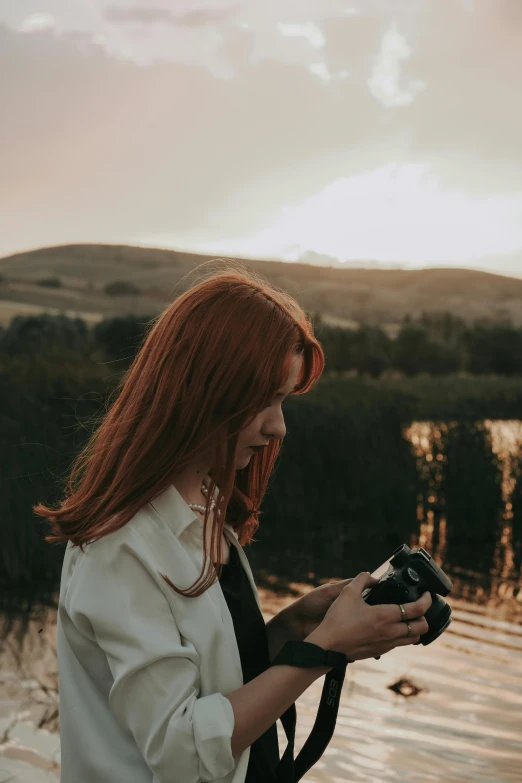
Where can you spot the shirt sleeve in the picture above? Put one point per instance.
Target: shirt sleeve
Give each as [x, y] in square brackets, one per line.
[184, 738]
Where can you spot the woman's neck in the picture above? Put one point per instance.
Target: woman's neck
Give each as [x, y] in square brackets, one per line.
[189, 486]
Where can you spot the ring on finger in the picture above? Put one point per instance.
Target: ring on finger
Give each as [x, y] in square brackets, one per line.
[408, 626]
[403, 613]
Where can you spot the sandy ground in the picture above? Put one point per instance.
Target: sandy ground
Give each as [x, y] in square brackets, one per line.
[464, 725]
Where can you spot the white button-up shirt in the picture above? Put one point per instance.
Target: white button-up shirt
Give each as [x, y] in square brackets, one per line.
[143, 671]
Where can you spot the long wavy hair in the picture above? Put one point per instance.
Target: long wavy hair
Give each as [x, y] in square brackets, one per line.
[208, 364]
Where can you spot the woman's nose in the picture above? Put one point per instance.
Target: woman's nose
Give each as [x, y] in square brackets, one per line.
[278, 430]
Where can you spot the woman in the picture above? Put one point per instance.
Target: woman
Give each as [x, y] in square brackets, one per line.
[165, 672]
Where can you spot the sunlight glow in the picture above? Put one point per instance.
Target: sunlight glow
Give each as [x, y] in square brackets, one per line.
[396, 213]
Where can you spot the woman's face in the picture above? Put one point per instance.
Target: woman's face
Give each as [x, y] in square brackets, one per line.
[269, 423]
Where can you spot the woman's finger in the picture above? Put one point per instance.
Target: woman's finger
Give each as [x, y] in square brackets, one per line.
[418, 627]
[407, 640]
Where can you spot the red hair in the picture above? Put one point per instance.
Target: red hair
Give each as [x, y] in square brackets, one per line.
[208, 365]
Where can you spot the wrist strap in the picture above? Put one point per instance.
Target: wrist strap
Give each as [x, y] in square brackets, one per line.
[308, 655]
[289, 770]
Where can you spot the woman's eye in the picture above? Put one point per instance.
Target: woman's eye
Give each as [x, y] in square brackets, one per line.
[279, 399]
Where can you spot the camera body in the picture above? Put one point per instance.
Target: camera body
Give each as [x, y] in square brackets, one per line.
[410, 573]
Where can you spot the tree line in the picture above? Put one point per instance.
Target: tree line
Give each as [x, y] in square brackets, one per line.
[434, 343]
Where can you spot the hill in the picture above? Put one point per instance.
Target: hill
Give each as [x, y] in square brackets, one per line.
[346, 296]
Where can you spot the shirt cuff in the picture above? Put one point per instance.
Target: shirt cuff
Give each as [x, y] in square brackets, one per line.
[213, 724]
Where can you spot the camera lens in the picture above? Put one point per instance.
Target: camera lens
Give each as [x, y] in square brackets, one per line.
[438, 618]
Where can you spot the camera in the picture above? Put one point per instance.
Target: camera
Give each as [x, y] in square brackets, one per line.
[409, 574]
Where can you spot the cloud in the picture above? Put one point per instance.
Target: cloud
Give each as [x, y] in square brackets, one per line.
[307, 30]
[38, 21]
[94, 143]
[209, 15]
[384, 82]
[141, 15]
[183, 16]
[229, 120]
[320, 70]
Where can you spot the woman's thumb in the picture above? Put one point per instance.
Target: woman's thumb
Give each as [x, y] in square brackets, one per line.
[362, 580]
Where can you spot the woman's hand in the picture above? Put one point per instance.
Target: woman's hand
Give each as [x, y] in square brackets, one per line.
[358, 630]
[308, 612]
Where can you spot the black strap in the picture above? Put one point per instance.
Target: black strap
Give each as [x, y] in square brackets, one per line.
[290, 771]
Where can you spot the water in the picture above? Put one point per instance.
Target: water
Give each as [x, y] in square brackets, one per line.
[29, 704]
[464, 725]
[486, 573]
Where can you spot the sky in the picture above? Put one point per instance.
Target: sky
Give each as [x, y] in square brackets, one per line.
[377, 132]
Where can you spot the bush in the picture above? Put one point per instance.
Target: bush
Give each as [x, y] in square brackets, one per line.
[494, 349]
[35, 334]
[121, 336]
[415, 352]
[121, 288]
[50, 282]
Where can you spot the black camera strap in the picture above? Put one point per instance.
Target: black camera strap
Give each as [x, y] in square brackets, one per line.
[289, 770]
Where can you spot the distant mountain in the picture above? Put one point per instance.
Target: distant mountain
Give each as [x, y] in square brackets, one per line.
[346, 295]
[507, 265]
[321, 259]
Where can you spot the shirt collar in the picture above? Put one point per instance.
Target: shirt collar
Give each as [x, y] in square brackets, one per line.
[176, 513]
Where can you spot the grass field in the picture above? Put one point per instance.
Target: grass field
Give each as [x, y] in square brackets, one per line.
[346, 296]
